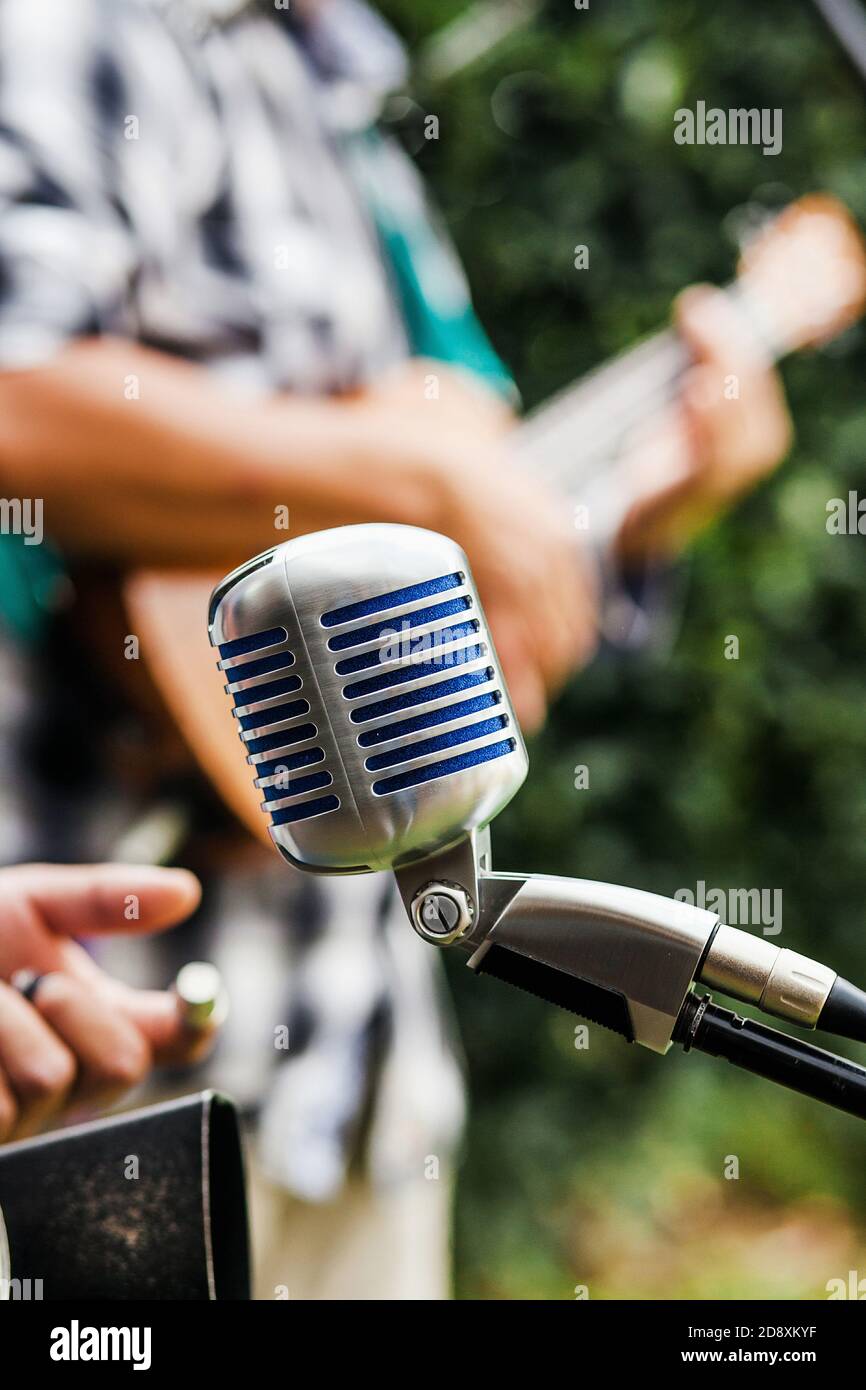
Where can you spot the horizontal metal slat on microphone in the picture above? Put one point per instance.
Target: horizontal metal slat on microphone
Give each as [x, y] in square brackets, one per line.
[422, 694]
[463, 733]
[280, 790]
[421, 682]
[284, 738]
[415, 671]
[252, 642]
[276, 661]
[430, 719]
[306, 810]
[290, 762]
[260, 693]
[411, 617]
[274, 714]
[451, 723]
[431, 771]
[415, 761]
[419, 642]
[380, 603]
[423, 643]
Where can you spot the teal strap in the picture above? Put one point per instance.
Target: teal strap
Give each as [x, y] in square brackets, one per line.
[32, 582]
[456, 337]
[434, 299]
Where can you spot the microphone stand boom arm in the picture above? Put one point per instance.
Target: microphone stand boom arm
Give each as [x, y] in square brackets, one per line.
[630, 961]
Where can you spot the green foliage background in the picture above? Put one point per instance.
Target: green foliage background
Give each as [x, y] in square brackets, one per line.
[606, 1167]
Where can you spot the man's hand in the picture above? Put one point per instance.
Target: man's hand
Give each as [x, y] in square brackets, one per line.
[84, 1038]
[200, 474]
[729, 430]
[448, 438]
[733, 398]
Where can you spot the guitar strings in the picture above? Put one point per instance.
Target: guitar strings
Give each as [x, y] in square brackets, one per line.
[572, 440]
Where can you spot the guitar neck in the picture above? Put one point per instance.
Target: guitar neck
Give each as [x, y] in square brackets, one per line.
[801, 281]
[577, 441]
[574, 440]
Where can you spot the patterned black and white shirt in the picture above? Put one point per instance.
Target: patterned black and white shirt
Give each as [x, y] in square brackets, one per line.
[176, 172]
[180, 180]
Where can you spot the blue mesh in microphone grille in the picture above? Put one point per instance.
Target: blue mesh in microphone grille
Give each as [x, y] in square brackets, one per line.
[413, 671]
[278, 791]
[277, 662]
[436, 691]
[445, 768]
[305, 811]
[366, 607]
[414, 619]
[418, 648]
[282, 739]
[407, 751]
[364, 661]
[429, 720]
[275, 715]
[267, 691]
[290, 763]
[241, 646]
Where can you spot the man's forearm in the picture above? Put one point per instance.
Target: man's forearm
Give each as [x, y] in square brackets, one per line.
[142, 457]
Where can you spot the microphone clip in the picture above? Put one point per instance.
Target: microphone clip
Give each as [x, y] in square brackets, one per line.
[629, 961]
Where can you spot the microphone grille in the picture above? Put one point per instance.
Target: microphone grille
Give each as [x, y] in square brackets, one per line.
[272, 714]
[417, 662]
[367, 696]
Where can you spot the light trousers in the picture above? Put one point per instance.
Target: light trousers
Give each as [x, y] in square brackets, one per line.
[364, 1244]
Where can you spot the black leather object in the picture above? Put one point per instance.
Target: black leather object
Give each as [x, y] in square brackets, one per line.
[176, 1231]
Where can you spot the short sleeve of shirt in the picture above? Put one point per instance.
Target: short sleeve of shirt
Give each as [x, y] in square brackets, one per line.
[66, 253]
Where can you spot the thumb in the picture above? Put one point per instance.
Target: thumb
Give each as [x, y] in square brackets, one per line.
[159, 1017]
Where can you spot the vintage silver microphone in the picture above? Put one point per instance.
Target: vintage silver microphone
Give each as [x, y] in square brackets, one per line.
[378, 727]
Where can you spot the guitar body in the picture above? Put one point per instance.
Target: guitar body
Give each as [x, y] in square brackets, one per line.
[801, 282]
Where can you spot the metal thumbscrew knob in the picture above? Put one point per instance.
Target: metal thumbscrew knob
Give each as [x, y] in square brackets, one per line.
[441, 912]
